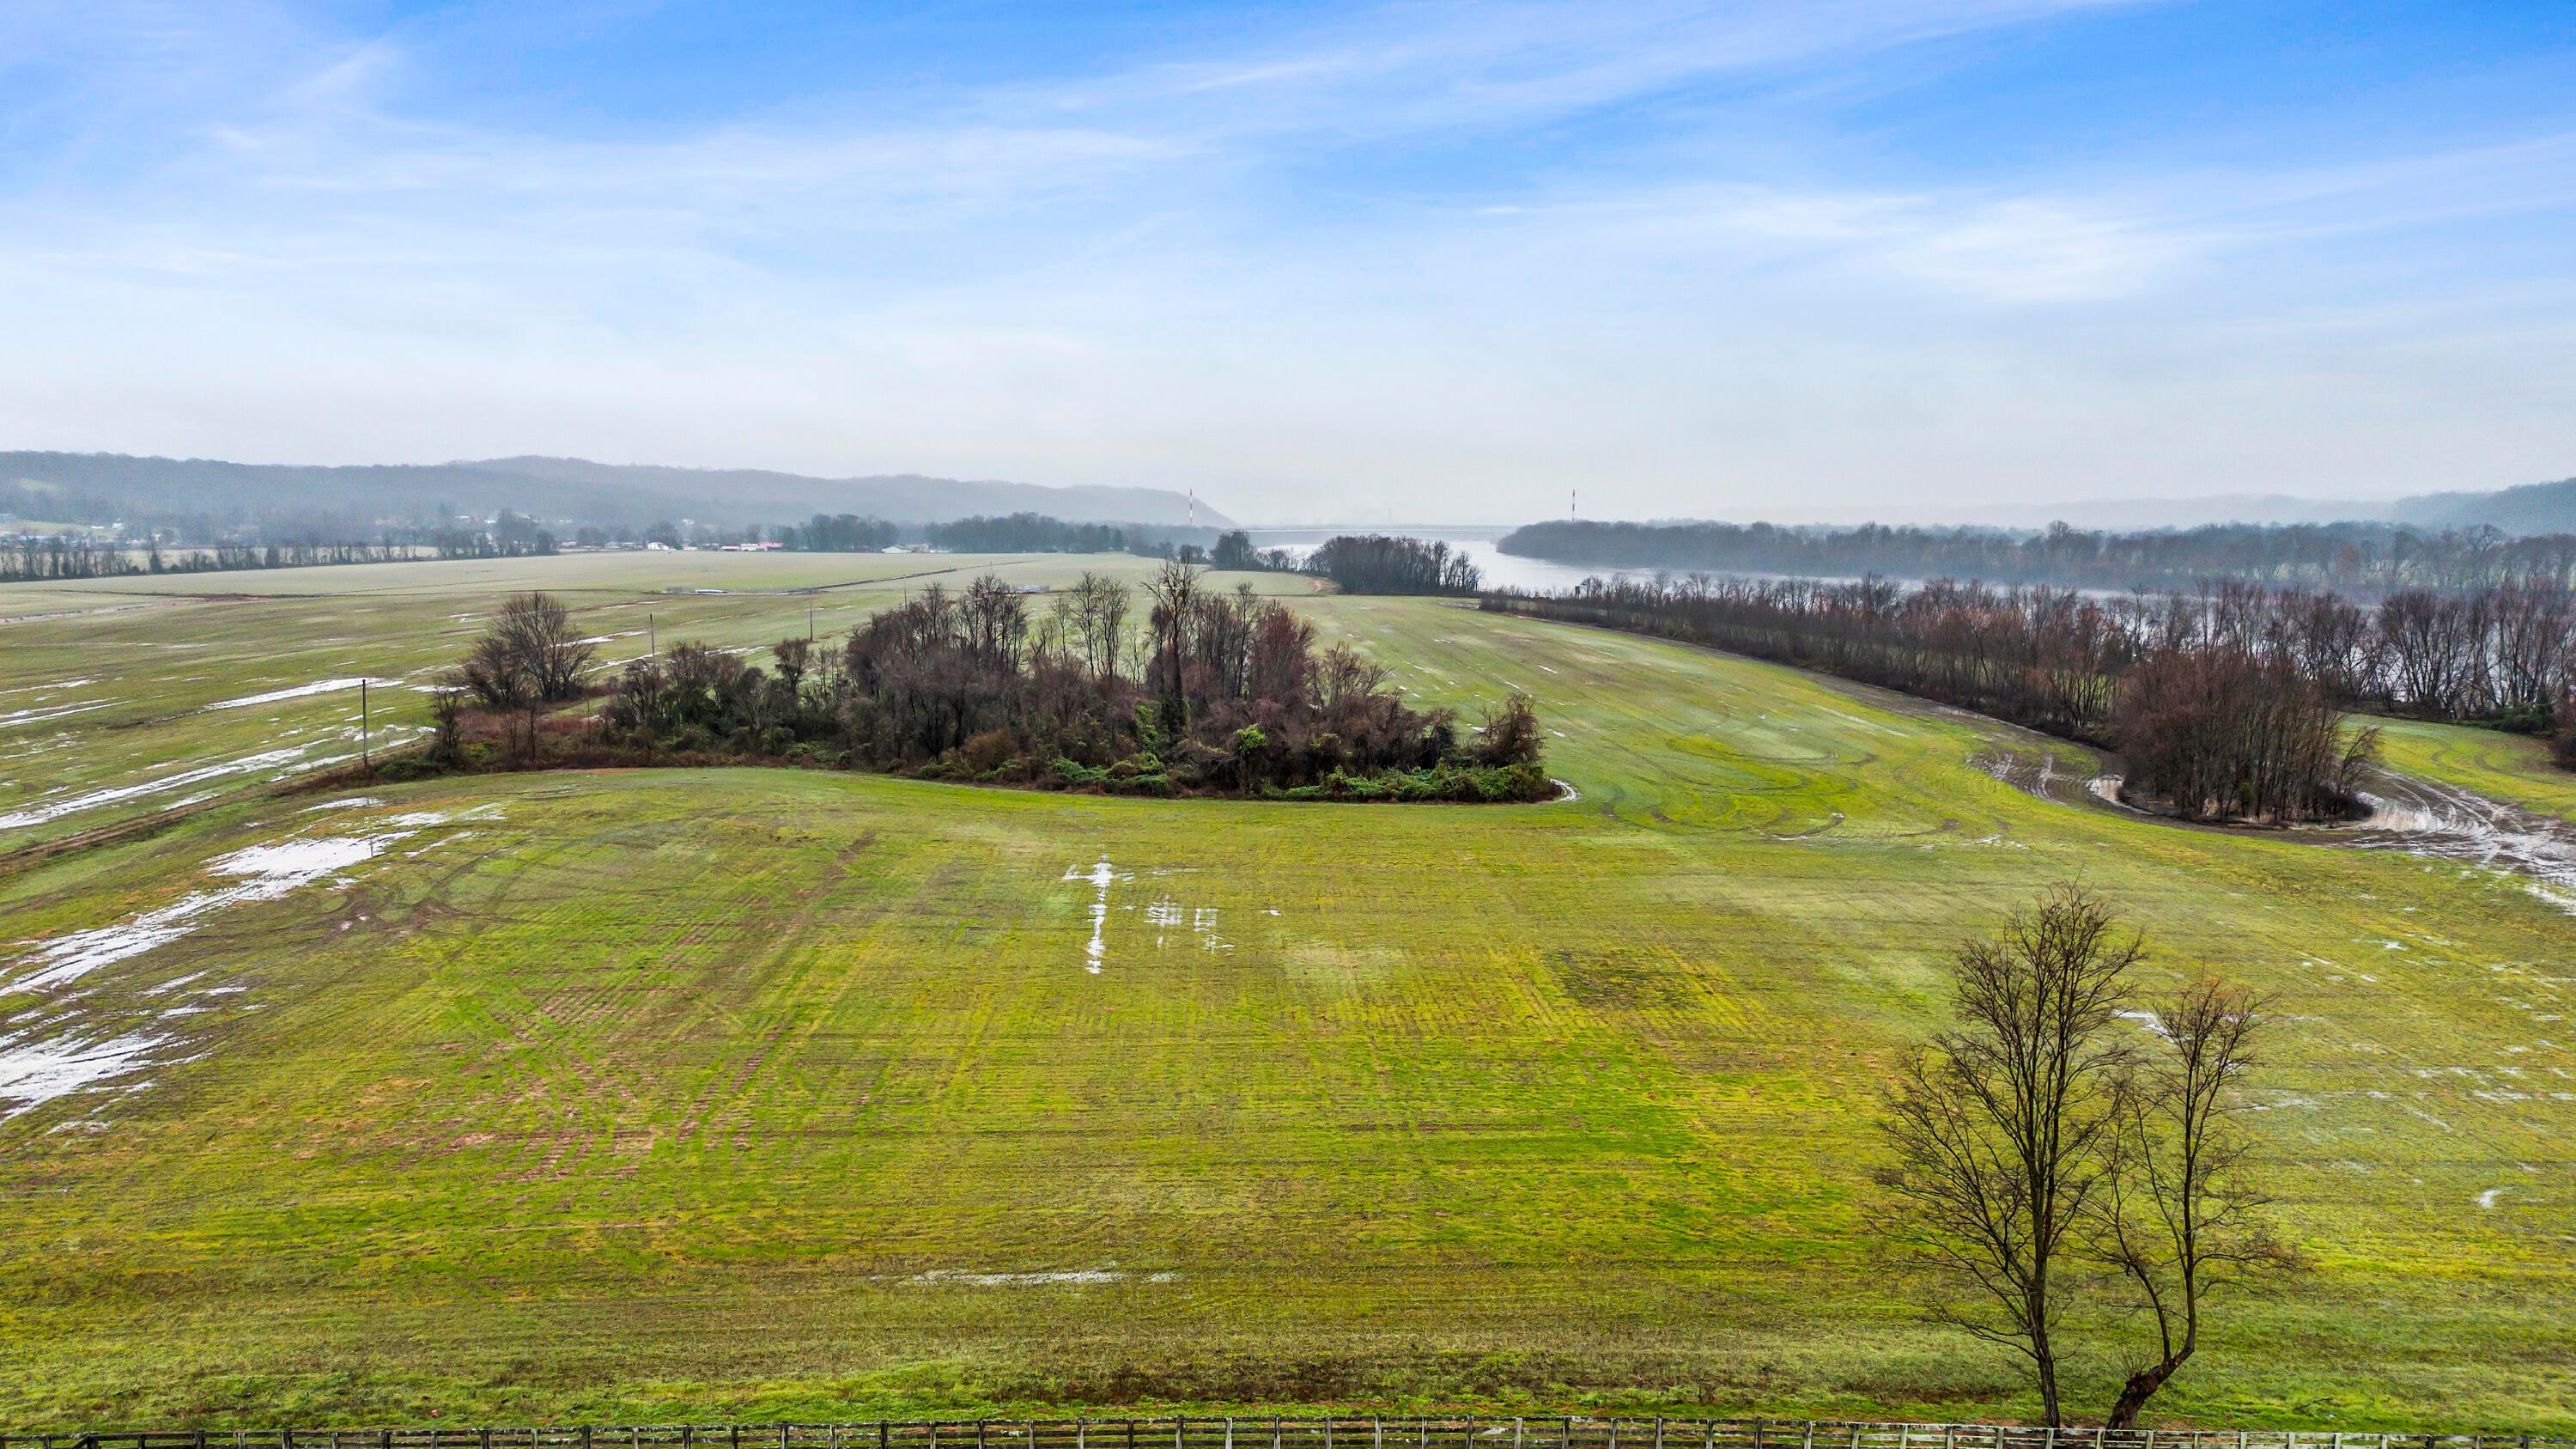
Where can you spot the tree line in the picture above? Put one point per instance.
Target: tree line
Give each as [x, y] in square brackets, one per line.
[45, 558]
[1191, 690]
[2212, 699]
[2366, 559]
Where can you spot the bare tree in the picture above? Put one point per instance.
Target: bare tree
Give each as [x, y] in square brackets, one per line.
[446, 737]
[2002, 1126]
[1174, 593]
[540, 631]
[2178, 1213]
[497, 674]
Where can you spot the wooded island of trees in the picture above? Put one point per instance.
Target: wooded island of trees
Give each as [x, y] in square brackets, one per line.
[1219, 693]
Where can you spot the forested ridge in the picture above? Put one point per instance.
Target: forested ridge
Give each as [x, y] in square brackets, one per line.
[2367, 559]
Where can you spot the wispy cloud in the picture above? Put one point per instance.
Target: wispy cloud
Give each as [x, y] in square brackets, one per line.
[1503, 244]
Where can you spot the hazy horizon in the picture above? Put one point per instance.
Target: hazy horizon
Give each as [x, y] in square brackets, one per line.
[1346, 263]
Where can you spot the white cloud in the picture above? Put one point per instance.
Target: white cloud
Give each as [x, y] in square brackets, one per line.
[1131, 276]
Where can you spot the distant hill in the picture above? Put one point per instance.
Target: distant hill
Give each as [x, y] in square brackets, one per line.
[2132, 515]
[2531, 508]
[575, 488]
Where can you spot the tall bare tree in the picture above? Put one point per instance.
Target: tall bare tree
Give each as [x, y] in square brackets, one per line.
[2178, 1213]
[1174, 593]
[2002, 1127]
[540, 631]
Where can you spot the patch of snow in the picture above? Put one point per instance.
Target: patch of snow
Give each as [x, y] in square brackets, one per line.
[2147, 1021]
[266, 872]
[1101, 876]
[1079, 1276]
[39, 716]
[33, 1073]
[301, 691]
[38, 815]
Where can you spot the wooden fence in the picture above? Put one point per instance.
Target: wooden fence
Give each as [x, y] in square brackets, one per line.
[1452, 1432]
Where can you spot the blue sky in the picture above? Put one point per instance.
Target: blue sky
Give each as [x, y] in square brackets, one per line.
[1358, 261]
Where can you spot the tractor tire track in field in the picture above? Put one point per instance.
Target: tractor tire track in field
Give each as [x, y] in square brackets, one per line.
[2446, 822]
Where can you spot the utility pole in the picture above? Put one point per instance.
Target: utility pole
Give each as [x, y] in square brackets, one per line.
[652, 640]
[363, 755]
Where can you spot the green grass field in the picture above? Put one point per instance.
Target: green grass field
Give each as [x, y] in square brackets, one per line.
[786, 1094]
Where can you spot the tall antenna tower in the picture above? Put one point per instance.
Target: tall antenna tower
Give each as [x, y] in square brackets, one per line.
[1194, 508]
[1569, 505]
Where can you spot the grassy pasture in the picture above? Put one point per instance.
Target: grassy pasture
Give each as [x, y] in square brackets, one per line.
[123, 699]
[782, 1094]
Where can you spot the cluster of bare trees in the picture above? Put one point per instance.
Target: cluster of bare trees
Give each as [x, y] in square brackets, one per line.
[2364, 559]
[526, 662]
[1218, 691]
[2069, 1156]
[40, 557]
[2227, 734]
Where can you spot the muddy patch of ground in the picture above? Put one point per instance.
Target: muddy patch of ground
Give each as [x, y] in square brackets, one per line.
[2445, 822]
